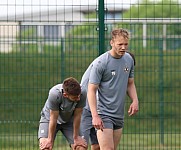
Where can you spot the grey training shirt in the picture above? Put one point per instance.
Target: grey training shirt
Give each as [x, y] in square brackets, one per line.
[111, 74]
[56, 101]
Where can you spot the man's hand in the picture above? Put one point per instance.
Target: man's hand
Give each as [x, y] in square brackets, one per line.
[133, 109]
[45, 143]
[97, 123]
[80, 141]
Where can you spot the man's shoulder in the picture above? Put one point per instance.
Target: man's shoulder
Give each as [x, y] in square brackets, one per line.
[102, 58]
[104, 55]
[129, 55]
[56, 90]
[56, 87]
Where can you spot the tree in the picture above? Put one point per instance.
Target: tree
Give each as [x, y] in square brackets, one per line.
[158, 9]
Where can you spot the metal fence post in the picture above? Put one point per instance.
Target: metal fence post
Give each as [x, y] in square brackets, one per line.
[62, 59]
[101, 27]
[161, 97]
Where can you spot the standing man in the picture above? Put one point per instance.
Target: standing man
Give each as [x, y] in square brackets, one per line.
[86, 127]
[62, 111]
[111, 75]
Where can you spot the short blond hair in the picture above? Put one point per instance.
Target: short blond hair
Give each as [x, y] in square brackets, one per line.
[120, 32]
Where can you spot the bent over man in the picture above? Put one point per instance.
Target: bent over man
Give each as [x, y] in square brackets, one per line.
[62, 112]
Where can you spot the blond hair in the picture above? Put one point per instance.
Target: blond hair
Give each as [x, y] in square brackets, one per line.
[120, 32]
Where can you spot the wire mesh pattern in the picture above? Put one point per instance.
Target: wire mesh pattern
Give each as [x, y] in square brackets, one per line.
[43, 42]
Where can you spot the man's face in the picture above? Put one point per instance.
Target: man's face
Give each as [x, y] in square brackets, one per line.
[72, 97]
[119, 46]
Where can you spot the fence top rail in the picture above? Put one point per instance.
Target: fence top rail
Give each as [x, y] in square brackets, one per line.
[146, 20]
[128, 20]
[93, 20]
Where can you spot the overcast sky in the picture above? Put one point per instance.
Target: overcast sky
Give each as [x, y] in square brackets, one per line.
[13, 7]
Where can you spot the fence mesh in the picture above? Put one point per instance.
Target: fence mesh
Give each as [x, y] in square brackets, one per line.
[43, 42]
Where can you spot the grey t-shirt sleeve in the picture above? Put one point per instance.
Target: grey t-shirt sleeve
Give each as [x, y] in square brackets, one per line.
[131, 74]
[97, 71]
[52, 101]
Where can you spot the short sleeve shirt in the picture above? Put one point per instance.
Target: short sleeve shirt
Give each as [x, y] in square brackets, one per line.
[111, 74]
[56, 101]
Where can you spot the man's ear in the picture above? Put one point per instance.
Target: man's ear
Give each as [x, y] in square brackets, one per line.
[111, 42]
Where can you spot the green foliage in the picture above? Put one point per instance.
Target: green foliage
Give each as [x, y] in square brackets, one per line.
[28, 32]
[27, 76]
[145, 9]
[82, 38]
[91, 15]
[128, 142]
[154, 9]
